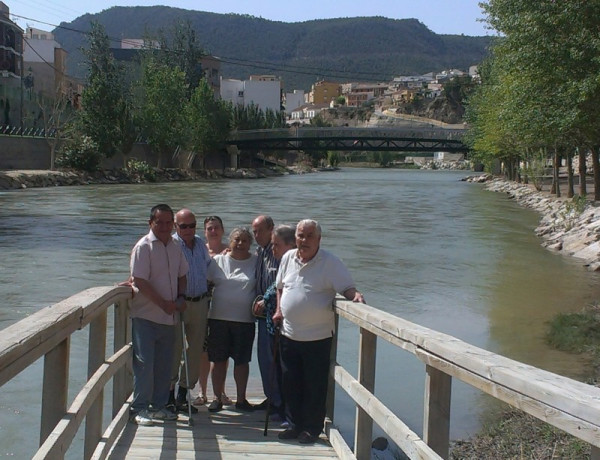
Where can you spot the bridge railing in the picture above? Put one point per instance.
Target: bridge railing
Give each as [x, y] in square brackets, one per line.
[571, 406]
[347, 132]
[47, 333]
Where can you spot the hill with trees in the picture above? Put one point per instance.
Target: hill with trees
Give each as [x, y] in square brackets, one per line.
[344, 49]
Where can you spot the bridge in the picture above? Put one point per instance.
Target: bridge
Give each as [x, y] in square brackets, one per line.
[401, 139]
[572, 406]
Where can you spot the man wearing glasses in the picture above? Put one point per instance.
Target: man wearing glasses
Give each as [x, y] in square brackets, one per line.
[195, 317]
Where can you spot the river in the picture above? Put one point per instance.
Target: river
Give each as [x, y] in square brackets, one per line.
[420, 244]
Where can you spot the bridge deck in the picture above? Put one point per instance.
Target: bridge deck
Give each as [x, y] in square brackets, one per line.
[228, 434]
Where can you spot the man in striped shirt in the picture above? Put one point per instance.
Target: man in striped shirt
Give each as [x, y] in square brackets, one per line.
[195, 317]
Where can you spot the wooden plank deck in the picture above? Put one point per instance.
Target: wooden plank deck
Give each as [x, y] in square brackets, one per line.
[225, 435]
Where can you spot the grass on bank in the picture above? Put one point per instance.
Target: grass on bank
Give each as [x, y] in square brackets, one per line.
[516, 435]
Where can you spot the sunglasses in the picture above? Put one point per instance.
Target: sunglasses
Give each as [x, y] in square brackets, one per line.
[184, 226]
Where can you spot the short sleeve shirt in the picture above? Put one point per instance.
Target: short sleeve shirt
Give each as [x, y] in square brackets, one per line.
[162, 265]
[308, 290]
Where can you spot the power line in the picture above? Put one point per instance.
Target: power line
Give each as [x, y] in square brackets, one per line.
[289, 68]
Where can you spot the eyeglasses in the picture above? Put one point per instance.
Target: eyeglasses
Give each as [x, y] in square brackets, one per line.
[184, 226]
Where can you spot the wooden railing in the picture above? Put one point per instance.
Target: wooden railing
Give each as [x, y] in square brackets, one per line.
[564, 403]
[572, 406]
[48, 333]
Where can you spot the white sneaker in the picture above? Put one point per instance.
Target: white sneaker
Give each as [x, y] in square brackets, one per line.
[163, 414]
[143, 418]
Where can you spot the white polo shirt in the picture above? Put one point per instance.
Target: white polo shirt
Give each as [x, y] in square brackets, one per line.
[162, 266]
[308, 290]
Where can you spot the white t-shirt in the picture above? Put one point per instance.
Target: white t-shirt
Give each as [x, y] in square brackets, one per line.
[308, 293]
[235, 288]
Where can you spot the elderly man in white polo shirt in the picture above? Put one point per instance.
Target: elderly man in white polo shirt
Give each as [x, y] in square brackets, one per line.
[307, 282]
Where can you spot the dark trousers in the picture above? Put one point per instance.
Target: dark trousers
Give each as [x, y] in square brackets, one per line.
[305, 371]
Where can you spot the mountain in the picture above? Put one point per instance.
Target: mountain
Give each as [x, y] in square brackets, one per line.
[344, 49]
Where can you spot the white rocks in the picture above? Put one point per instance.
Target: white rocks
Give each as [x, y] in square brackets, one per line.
[564, 227]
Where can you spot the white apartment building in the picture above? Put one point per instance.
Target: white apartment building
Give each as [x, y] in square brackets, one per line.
[293, 101]
[264, 94]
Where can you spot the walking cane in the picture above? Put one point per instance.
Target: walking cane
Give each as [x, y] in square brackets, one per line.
[187, 375]
[273, 378]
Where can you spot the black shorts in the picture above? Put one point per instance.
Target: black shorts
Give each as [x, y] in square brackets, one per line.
[230, 339]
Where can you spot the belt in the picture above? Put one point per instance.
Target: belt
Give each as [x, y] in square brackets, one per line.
[198, 298]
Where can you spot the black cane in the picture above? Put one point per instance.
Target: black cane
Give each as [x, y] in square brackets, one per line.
[273, 378]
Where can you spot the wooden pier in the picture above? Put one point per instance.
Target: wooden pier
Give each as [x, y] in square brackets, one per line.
[224, 435]
[571, 406]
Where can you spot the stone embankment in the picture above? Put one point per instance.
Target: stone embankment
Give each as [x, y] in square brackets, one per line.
[21, 179]
[568, 226]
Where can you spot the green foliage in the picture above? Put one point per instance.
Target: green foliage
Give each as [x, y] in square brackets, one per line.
[319, 122]
[572, 210]
[104, 97]
[179, 47]
[162, 113]
[141, 170]
[340, 100]
[80, 153]
[208, 119]
[575, 332]
[253, 117]
[540, 89]
[333, 158]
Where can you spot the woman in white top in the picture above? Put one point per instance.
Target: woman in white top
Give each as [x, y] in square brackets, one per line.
[231, 323]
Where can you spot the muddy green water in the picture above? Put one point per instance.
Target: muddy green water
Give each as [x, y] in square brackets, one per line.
[420, 244]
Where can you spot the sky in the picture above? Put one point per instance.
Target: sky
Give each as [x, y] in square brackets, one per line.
[441, 16]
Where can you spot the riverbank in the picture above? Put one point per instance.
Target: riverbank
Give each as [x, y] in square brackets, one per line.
[571, 227]
[568, 226]
[22, 179]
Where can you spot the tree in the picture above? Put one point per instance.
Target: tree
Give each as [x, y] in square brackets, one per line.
[179, 48]
[56, 113]
[103, 98]
[162, 111]
[209, 120]
[548, 54]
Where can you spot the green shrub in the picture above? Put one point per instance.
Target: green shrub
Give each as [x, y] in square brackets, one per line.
[141, 170]
[81, 154]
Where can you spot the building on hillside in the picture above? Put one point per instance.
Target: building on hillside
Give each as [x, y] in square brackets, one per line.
[324, 92]
[446, 75]
[266, 94]
[11, 69]
[411, 81]
[293, 100]
[306, 112]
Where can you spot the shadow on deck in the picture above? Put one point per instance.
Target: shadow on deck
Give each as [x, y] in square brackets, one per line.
[229, 434]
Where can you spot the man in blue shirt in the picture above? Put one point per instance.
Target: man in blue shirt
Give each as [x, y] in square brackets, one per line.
[195, 317]
[266, 271]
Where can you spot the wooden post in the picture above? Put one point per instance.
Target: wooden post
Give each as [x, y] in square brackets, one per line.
[332, 362]
[96, 357]
[436, 423]
[121, 338]
[55, 387]
[363, 432]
